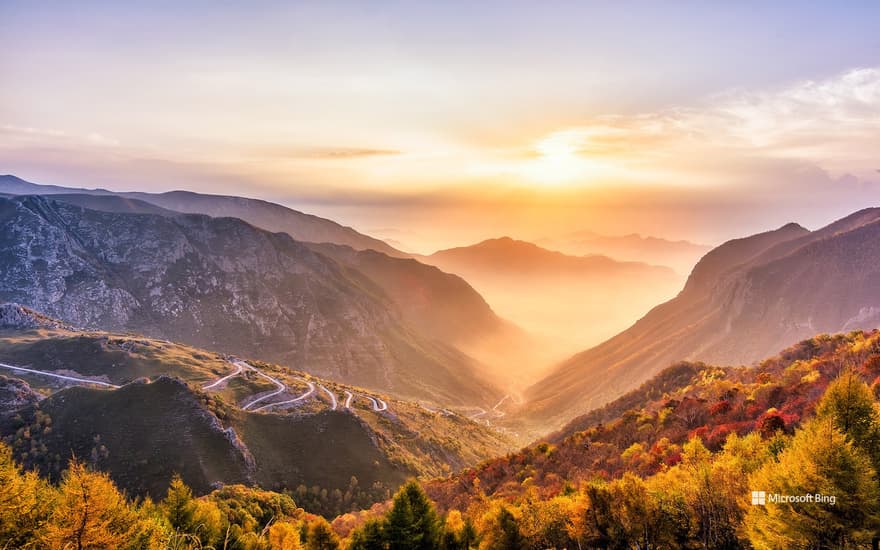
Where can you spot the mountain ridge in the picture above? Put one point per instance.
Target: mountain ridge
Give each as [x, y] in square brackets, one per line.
[743, 298]
[260, 213]
[222, 283]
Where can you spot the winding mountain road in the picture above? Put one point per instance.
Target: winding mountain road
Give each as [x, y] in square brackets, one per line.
[332, 396]
[378, 404]
[60, 376]
[239, 369]
[278, 384]
[499, 414]
[289, 401]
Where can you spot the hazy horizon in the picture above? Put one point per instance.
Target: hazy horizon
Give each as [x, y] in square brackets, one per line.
[417, 123]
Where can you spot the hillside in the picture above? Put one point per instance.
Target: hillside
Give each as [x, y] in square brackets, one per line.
[643, 431]
[226, 285]
[564, 301]
[672, 465]
[266, 215]
[445, 306]
[142, 409]
[743, 300]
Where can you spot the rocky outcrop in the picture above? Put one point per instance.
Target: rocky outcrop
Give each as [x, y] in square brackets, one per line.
[18, 317]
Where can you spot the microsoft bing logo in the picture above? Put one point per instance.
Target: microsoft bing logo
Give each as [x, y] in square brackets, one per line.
[759, 498]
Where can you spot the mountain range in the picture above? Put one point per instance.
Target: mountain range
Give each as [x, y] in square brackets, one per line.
[266, 215]
[743, 300]
[224, 284]
[680, 255]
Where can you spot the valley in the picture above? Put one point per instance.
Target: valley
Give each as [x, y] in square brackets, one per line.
[631, 413]
[439, 276]
[562, 302]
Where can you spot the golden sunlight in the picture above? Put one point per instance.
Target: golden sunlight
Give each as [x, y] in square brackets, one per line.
[560, 160]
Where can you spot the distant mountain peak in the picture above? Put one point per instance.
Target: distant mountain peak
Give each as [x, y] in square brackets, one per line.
[792, 226]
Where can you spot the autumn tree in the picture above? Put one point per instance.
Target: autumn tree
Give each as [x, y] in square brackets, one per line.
[601, 527]
[547, 523]
[25, 502]
[637, 513]
[501, 531]
[284, 536]
[180, 506]
[458, 532]
[321, 536]
[821, 459]
[90, 513]
[712, 489]
[849, 403]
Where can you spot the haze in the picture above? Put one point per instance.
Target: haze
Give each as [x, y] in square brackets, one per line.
[434, 126]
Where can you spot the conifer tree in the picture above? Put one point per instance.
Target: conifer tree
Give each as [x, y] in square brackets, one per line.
[412, 523]
[321, 536]
[179, 505]
[25, 502]
[90, 513]
[368, 537]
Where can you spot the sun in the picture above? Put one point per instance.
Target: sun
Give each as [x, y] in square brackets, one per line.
[561, 146]
[559, 160]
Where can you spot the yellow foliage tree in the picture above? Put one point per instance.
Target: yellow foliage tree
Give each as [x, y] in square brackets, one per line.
[90, 513]
[284, 536]
[25, 502]
[820, 460]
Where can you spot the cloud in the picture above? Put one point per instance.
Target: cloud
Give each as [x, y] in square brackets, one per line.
[29, 135]
[324, 153]
[833, 123]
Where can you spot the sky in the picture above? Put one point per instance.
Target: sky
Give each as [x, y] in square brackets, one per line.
[434, 124]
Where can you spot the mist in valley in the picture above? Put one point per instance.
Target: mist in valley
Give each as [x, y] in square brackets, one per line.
[558, 304]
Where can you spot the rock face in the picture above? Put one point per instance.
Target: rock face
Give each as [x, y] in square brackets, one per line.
[15, 394]
[221, 284]
[743, 301]
[17, 317]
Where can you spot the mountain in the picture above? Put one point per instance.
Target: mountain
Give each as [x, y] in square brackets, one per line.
[110, 203]
[563, 300]
[143, 409]
[439, 305]
[435, 303]
[510, 257]
[743, 299]
[679, 255]
[266, 215]
[223, 284]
